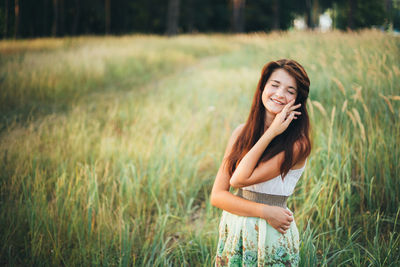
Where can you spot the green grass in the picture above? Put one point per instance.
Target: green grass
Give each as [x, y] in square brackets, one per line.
[109, 146]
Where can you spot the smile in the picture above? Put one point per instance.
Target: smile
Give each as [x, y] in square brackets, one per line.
[276, 101]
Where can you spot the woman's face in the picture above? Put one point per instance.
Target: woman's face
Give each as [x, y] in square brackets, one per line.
[279, 90]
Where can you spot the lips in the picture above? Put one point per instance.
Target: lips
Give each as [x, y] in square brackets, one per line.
[277, 101]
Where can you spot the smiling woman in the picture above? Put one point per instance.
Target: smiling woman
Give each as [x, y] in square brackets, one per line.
[265, 158]
[278, 92]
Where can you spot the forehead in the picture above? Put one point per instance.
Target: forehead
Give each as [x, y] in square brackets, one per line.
[283, 77]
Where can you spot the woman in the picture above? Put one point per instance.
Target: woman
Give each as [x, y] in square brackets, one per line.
[264, 158]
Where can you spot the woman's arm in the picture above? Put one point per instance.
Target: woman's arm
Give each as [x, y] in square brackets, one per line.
[220, 195]
[246, 172]
[267, 170]
[277, 217]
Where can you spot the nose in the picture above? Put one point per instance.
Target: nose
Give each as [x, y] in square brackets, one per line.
[279, 92]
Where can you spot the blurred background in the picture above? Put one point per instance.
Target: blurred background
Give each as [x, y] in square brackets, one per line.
[27, 19]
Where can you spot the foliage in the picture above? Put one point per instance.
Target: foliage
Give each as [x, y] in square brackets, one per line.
[70, 18]
[365, 14]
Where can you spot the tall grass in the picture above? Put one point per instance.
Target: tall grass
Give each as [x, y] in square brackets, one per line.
[109, 146]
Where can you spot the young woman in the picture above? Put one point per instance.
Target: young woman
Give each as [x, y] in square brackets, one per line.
[264, 158]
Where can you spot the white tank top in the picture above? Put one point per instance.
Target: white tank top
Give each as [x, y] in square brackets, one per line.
[276, 186]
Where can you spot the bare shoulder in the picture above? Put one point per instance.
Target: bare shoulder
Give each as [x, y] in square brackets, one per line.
[299, 164]
[233, 138]
[296, 151]
[237, 131]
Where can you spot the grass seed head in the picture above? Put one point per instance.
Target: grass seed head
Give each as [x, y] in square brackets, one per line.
[387, 102]
[339, 85]
[344, 107]
[360, 124]
[319, 106]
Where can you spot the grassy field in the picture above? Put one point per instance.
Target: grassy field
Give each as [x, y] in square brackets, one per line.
[109, 146]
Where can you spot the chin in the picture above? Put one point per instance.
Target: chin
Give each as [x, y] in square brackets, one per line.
[273, 111]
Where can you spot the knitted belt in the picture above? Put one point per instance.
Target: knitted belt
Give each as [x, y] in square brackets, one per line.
[273, 200]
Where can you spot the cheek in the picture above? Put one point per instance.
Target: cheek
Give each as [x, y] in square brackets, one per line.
[264, 96]
[291, 97]
[267, 93]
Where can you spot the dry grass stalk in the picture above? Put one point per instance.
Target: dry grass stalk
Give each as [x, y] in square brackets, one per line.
[396, 70]
[333, 114]
[331, 129]
[310, 107]
[353, 120]
[394, 97]
[357, 95]
[339, 85]
[365, 108]
[320, 107]
[344, 107]
[387, 102]
[360, 124]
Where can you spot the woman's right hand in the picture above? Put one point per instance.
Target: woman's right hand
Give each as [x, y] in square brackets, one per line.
[279, 218]
[284, 118]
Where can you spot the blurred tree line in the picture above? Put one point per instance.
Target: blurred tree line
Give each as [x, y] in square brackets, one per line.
[28, 18]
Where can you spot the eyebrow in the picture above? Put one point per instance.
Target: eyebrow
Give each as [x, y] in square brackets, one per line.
[289, 86]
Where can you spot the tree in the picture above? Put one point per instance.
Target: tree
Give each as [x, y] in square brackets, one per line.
[75, 20]
[172, 17]
[55, 18]
[61, 22]
[356, 14]
[313, 9]
[107, 16]
[267, 15]
[276, 11]
[16, 17]
[309, 16]
[5, 32]
[238, 15]
[350, 14]
[190, 14]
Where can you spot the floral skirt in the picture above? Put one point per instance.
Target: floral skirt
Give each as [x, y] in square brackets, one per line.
[251, 241]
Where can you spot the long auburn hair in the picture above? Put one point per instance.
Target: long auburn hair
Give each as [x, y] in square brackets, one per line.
[298, 130]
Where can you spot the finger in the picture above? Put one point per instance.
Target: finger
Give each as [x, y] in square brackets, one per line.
[288, 120]
[284, 227]
[294, 113]
[288, 212]
[288, 105]
[287, 224]
[290, 218]
[295, 107]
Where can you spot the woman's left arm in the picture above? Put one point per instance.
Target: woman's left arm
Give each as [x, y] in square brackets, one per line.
[266, 170]
[243, 174]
